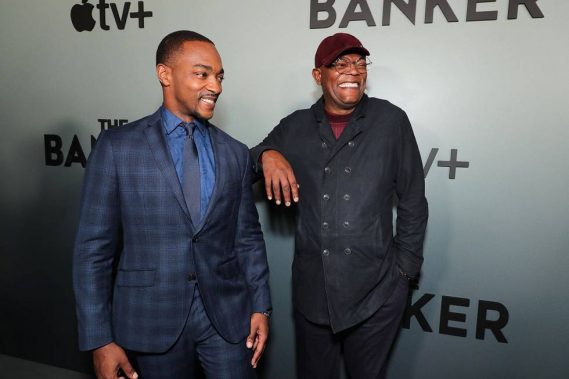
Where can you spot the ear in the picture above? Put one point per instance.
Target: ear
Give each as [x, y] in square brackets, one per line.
[163, 73]
[317, 75]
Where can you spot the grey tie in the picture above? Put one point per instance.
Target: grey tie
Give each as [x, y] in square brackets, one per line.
[192, 183]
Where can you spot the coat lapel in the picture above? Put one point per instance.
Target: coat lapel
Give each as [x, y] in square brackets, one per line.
[352, 130]
[159, 148]
[325, 131]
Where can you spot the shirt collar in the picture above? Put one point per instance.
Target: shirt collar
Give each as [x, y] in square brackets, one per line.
[170, 122]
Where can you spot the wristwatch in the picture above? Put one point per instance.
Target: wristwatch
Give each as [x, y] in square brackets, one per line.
[267, 313]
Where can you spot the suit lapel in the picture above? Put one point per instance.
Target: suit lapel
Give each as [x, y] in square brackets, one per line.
[159, 148]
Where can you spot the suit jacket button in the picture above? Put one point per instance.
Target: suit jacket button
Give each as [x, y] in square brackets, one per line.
[348, 170]
[347, 251]
[351, 144]
[325, 252]
[194, 239]
[191, 277]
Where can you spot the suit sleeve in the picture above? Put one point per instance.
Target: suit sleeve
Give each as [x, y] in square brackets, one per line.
[412, 208]
[250, 246]
[96, 245]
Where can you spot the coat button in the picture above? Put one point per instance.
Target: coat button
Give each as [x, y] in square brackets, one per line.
[346, 224]
[324, 225]
[194, 239]
[327, 170]
[347, 251]
[324, 145]
[351, 144]
[191, 277]
[348, 170]
[347, 197]
[325, 252]
[326, 197]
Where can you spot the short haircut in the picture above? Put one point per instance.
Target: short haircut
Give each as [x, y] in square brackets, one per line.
[173, 42]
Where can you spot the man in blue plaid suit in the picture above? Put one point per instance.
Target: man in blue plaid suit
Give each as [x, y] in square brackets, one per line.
[161, 288]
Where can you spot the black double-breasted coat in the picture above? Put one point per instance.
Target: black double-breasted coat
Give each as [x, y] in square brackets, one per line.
[347, 259]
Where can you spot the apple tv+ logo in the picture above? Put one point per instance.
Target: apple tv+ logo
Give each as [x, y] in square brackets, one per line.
[82, 15]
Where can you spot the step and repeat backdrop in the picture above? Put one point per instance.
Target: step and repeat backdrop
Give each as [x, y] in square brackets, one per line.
[484, 82]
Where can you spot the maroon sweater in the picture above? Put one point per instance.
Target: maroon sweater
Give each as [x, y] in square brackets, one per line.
[338, 123]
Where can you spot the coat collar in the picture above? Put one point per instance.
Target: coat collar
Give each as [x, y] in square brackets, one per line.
[353, 128]
[360, 111]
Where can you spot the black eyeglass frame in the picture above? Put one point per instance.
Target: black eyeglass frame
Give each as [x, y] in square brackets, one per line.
[343, 65]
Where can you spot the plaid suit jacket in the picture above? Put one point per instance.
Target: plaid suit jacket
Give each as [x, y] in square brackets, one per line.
[136, 243]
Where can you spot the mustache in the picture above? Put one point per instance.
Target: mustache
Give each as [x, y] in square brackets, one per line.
[209, 95]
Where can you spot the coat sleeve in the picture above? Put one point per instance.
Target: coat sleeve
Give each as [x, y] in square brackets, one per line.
[96, 244]
[412, 208]
[250, 246]
[275, 140]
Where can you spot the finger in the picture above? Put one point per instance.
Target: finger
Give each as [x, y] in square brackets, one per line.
[293, 187]
[255, 343]
[258, 350]
[276, 190]
[261, 343]
[256, 358]
[250, 338]
[128, 370]
[285, 187]
[268, 188]
[249, 342]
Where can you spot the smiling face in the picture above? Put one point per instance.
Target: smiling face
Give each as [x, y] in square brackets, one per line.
[191, 80]
[342, 92]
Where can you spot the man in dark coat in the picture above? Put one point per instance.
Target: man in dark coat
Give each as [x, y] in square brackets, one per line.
[350, 154]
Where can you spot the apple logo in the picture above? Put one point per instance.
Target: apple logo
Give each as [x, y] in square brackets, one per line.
[81, 16]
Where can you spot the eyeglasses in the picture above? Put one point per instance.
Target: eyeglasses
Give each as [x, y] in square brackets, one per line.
[343, 65]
